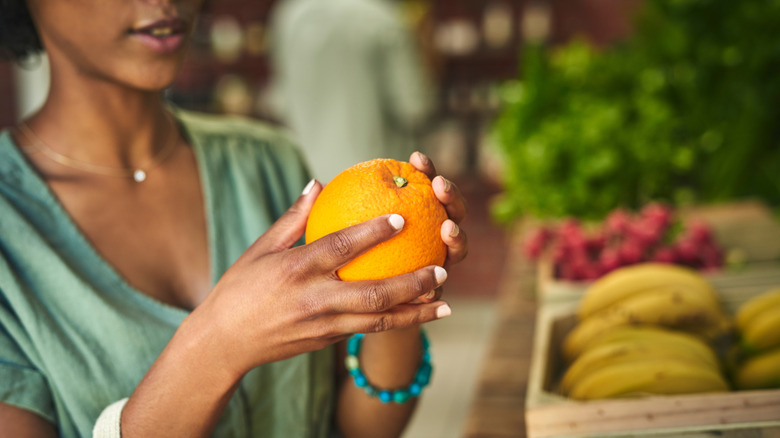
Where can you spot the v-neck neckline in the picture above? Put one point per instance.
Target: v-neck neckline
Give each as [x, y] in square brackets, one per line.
[28, 175]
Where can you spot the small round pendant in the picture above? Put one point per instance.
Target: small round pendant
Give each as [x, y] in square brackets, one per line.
[139, 175]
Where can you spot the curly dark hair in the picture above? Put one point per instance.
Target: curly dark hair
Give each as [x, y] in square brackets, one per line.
[18, 35]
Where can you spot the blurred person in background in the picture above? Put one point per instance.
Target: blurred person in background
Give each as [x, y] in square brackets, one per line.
[350, 80]
[150, 278]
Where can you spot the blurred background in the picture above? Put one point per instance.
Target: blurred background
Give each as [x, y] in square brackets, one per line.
[470, 48]
[544, 110]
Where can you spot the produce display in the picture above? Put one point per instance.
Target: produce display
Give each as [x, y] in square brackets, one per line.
[757, 362]
[651, 235]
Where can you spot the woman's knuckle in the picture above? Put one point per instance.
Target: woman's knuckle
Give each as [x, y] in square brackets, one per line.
[381, 324]
[377, 297]
[341, 244]
[419, 282]
[310, 306]
[325, 331]
[294, 266]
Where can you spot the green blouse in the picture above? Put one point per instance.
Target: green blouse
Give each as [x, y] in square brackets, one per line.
[75, 336]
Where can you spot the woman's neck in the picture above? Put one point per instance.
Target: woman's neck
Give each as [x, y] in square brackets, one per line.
[103, 124]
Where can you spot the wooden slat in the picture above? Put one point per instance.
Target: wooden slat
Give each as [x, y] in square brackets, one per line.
[496, 416]
[498, 408]
[712, 411]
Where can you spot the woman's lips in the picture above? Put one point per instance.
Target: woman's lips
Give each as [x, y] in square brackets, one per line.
[162, 36]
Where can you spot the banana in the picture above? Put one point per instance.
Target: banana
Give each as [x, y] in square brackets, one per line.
[664, 376]
[636, 349]
[756, 305]
[630, 280]
[669, 306]
[762, 331]
[654, 334]
[759, 372]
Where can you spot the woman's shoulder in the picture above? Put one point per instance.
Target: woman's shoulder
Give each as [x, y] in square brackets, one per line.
[233, 126]
[240, 138]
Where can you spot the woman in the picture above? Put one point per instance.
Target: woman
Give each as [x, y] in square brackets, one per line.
[149, 278]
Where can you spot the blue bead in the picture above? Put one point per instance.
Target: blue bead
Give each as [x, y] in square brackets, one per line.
[385, 396]
[371, 391]
[355, 372]
[401, 396]
[426, 357]
[423, 375]
[415, 389]
[360, 380]
[353, 345]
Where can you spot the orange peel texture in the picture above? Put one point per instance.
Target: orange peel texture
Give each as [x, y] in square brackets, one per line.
[374, 188]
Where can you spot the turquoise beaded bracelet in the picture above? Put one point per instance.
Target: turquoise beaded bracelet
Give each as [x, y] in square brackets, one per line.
[421, 378]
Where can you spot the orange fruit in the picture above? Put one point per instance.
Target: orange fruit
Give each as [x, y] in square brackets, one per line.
[373, 188]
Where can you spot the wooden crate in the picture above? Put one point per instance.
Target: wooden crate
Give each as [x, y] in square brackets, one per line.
[734, 414]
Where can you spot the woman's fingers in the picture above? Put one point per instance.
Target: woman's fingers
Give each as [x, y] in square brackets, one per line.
[335, 250]
[380, 295]
[400, 316]
[422, 163]
[447, 192]
[449, 195]
[456, 240]
[289, 228]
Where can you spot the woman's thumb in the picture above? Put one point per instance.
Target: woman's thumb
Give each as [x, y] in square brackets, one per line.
[289, 228]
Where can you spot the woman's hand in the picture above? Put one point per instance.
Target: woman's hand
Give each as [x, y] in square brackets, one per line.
[277, 301]
[452, 235]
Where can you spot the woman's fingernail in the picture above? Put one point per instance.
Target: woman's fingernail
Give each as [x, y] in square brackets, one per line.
[396, 221]
[308, 187]
[423, 158]
[444, 183]
[447, 184]
[430, 295]
[443, 311]
[440, 273]
[455, 230]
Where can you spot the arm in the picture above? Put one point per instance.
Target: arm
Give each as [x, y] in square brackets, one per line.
[21, 423]
[391, 358]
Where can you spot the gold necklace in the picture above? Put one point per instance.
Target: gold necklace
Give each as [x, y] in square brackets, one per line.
[138, 173]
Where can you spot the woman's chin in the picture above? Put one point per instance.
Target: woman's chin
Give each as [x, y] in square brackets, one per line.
[152, 79]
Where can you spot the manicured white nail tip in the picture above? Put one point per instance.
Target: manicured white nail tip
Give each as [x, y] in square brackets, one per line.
[443, 311]
[396, 221]
[441, 274]
[308, 187]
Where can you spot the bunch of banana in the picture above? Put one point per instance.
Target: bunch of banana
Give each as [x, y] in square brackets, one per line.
[758, 323]
[634, 279]
[647, 294]
[639, 360]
